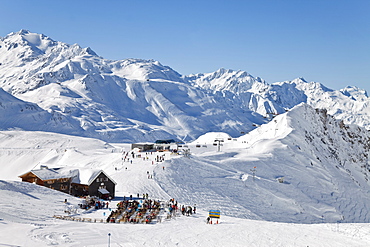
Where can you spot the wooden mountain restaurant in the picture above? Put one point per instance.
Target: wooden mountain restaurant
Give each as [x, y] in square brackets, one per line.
[73, 181]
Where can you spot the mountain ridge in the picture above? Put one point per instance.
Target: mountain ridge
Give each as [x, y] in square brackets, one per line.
[141, 100]
[322, 165]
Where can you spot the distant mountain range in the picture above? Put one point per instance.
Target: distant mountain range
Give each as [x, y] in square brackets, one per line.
[51, 86]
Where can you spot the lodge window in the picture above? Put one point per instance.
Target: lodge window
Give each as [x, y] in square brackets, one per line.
[63, 187]
[102, 187]
[101, 180]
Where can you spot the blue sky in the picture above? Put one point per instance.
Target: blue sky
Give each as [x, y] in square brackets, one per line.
[321, 40]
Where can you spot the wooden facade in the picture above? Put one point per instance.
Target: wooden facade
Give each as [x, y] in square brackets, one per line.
[61, 184]
[99, 185]
[102, 184]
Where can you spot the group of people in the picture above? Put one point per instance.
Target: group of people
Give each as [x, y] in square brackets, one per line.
[173, 207]
[145, 196]
[101, 204]
[135, 211]
[188, 210]
[160, 158]
[92, 201]
[140, 209]
[130, 156]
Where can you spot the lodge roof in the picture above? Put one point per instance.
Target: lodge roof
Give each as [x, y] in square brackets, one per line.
[165, 141]
[79, 175]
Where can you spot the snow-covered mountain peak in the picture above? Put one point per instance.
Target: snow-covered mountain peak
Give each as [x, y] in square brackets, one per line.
[35, 43]
[281, 126]
[301, 84]
[40, 44]
[329, 138]
[226, 80]
[299, 80]
[29, 60]
[355, 93]
[140, 69]
[303, 122]
[312, 86]
[37, 40]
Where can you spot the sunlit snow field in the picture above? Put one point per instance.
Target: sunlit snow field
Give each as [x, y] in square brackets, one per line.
[211, 179]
